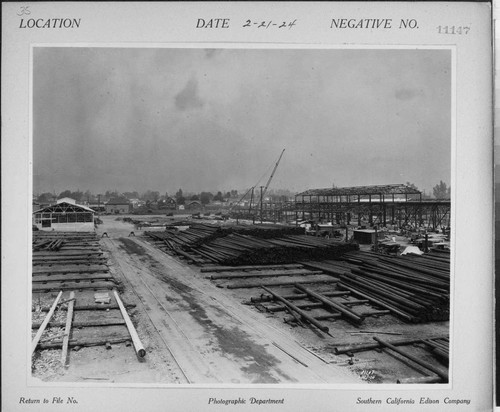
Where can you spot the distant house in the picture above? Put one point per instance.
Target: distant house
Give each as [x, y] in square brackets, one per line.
[170, 203]
[193, 205]
[65, 215]
[118, 205]
[136, 203]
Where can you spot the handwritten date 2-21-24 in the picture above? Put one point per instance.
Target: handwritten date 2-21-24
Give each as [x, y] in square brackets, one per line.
[265, 24]
[453, 29]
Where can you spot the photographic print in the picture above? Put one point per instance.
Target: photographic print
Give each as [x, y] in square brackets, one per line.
[228, 215]
[239, 205]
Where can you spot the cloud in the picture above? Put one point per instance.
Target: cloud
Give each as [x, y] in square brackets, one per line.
[188, 98]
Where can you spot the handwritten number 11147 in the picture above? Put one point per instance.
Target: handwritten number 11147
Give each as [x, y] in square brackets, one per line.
[453, 29]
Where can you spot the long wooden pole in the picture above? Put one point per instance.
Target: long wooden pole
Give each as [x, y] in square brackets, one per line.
[299, 311]
[139, 348]
[420, 362]
[337, 306]
[69, 320]
[35, 340]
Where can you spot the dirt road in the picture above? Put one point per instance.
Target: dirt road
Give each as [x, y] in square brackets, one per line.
[194, 332]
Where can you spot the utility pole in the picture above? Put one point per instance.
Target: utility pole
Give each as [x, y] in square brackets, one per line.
[250, 208]
[261, 202]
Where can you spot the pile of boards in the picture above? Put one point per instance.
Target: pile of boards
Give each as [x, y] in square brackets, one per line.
[415, 288]
[250, 244]
[196, 235]
[237, 249]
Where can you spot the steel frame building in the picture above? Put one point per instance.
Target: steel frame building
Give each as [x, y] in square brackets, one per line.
[395, 204]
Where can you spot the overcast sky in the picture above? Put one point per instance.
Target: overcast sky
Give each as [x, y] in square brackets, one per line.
[206, 119]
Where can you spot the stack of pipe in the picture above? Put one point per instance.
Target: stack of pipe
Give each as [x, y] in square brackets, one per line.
[266, 231]
[416, 288]
[194, 236]
[237, 249]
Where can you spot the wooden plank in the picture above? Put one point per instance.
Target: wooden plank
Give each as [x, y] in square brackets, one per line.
[67, 330]
[86, 342]
[306, 305]
[265, 274]
[74, 286]
[303, 314]
[35, 340]
[65, 253]
[71, 277]
[70, 269]
[95, 307]
[255, 267]
[297, 296]
[85, 260]
[418, 361]
[282, 283]
[339, 307]
[86, 324]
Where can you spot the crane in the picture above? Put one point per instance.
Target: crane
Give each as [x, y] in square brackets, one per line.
[263, 188]
[271, 177]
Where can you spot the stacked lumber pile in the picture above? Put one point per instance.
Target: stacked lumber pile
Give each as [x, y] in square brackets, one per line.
[202, 233]
[266, 231]
[194, 236]
[415, 288]
[47, 244]
[237, 249]
[54, 241]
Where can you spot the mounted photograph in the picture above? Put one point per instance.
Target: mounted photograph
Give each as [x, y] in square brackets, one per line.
[229, 215]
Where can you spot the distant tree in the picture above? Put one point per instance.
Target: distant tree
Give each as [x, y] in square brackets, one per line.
[194, 197]
[45, 197]
[78, 195]
[441, 191]
[218, 197]
[65, 193]
[413, 186]
[88, 196]
[206, 197]
[111, 193]
[131, 195]
[227, 195]
[151, 195]
[426, 195]
[234, 193]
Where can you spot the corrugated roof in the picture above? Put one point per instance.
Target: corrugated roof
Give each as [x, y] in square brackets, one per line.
[394, 189]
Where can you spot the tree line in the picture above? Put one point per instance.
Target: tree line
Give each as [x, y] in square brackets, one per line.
[439, 191]
[149, 196]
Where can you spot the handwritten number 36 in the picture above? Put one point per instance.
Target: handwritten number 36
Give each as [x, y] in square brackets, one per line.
[24, 10]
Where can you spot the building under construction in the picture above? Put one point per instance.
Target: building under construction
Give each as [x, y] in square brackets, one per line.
[382, 205]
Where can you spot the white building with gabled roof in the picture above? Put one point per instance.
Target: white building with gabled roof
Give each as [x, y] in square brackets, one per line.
[65, 215]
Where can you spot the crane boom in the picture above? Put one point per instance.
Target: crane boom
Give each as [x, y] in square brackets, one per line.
[272, 175]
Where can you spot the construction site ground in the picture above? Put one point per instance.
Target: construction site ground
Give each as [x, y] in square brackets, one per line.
[195, 332]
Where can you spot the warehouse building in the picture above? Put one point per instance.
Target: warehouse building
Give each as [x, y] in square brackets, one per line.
[118, 205]
[65, 215]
